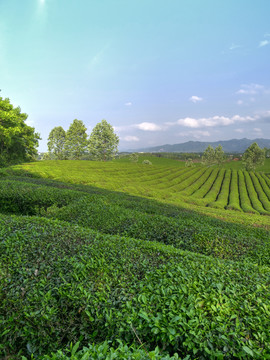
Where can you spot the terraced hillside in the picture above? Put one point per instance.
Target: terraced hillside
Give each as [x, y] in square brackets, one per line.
[91, 273]
[211, 187]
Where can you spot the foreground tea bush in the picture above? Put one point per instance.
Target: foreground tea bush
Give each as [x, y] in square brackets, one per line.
[119, 214]
[104, 351]
[61, 283]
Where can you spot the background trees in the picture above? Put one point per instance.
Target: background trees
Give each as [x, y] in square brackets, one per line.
[18, 141]
[213, 156]
[103, 142]
[56, 142]
[76, 140]
[253, 157]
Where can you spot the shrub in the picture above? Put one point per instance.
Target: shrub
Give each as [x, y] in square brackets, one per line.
[146, 162]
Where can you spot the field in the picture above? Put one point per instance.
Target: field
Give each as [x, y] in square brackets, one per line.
[129, 261]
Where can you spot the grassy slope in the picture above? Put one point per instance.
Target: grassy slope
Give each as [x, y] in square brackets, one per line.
[135, 179]
[62, 281]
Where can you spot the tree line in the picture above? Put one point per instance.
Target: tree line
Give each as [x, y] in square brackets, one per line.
[253, 157]
[102, 144]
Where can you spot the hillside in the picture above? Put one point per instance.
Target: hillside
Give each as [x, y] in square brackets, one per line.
[229, 146]
[98, 258]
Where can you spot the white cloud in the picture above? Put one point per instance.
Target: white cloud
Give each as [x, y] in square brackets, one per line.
[195, 99]
[257, 130]
[128, 103]
[250, 89]
[264, 43]
[197, 134]
[233, 46]
[240, 102]
[214, 121]
[131, 138]
[239, 130]
[147, 126]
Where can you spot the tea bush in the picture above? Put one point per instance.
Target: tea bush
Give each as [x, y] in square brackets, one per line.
[61, 283]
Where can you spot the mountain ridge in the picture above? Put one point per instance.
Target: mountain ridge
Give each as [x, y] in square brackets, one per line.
[233, 146]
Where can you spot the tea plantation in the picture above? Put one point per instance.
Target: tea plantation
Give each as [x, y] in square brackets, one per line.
[130, 261]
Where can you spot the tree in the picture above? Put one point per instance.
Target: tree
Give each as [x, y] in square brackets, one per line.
[18, 141]
[208, 157]
[219, 155]
[254, 156]
[213, 156]
[76, 140]
[103, 142]
[56, 142]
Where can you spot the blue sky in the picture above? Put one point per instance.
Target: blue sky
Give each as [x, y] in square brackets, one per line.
[159, 72]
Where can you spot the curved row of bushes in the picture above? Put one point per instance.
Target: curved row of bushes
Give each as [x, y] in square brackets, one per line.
[256, 204]
[198, 183]
[234, 197]
[61, 283]
[260, 192]
[222, 198]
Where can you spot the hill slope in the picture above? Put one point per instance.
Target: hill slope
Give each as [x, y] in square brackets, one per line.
[229, 146]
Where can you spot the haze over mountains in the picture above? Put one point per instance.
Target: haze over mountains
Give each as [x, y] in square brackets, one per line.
[229, 146]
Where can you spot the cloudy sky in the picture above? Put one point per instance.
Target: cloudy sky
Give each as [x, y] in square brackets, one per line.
[158, 71]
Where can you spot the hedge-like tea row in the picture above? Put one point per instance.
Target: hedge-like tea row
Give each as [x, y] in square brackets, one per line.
[260, 192]
[104, 351]
[222, 199]
[256, 204]
[204, 189]
[31, 199]
[264, 185]
[62, 284]
[215, 189]
[115, 213]
[244, 196]
[174, 177]
[198, 183]
[234, 193]
[175, 182]
[187, 181]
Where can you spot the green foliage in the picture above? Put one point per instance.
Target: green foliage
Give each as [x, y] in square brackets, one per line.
[103, 142]
[62, 284]
[56, 142]
[233, 202]
[208, 157]
[105, 351]
[18, 141]
[76, 140]
[146, 162]
[254, 156]
[91, 273]
[219, 155]
[189, 163]
[134, 157]
[213, 156]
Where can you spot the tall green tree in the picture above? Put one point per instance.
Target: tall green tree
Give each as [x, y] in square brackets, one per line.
[213, 156]
[254, 156]
[56, 142]
[76, 140]
[18, 141]
[208, 157]
[103, 142]
[219, 155]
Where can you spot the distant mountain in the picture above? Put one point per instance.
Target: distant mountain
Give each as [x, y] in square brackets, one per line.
[229, 146]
